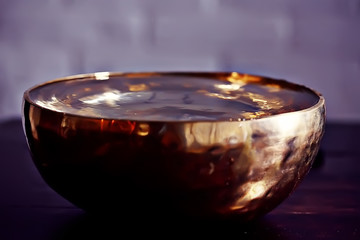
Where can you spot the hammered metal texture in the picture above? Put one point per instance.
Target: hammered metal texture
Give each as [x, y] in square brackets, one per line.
[198, 168]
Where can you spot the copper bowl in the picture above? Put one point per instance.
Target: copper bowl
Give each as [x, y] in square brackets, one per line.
[199, 144]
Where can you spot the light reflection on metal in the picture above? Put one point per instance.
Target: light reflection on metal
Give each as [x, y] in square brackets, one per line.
[252, 190]
[242, 79]
[143, 129]
[272, 87]
[34, 121]
[102, 75]
[255, 115]
[102, 124]
[265, 103]
[138, 87]
[228, 87]
[226, 134]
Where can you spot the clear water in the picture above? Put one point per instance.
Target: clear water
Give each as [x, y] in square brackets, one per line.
[173, 98]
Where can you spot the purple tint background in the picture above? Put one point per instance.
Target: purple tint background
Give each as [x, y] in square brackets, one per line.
[310, 42]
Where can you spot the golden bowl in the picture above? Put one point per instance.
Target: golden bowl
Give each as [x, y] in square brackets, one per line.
[196, 144]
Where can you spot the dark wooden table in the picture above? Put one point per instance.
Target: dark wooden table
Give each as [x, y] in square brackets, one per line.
[326, 205]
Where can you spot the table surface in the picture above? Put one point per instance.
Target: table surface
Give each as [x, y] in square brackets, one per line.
[326, 205]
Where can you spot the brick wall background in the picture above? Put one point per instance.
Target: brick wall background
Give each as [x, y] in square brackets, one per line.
[311, 42]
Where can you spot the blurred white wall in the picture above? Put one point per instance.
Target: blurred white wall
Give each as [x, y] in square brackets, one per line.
[310, 42]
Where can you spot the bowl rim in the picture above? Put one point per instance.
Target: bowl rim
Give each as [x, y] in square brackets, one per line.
[108, 74]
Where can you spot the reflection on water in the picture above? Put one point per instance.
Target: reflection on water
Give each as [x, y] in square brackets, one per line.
[174, 98]
[109, 98]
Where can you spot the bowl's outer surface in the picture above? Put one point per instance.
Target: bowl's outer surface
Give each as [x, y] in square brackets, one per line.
[214, 168]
